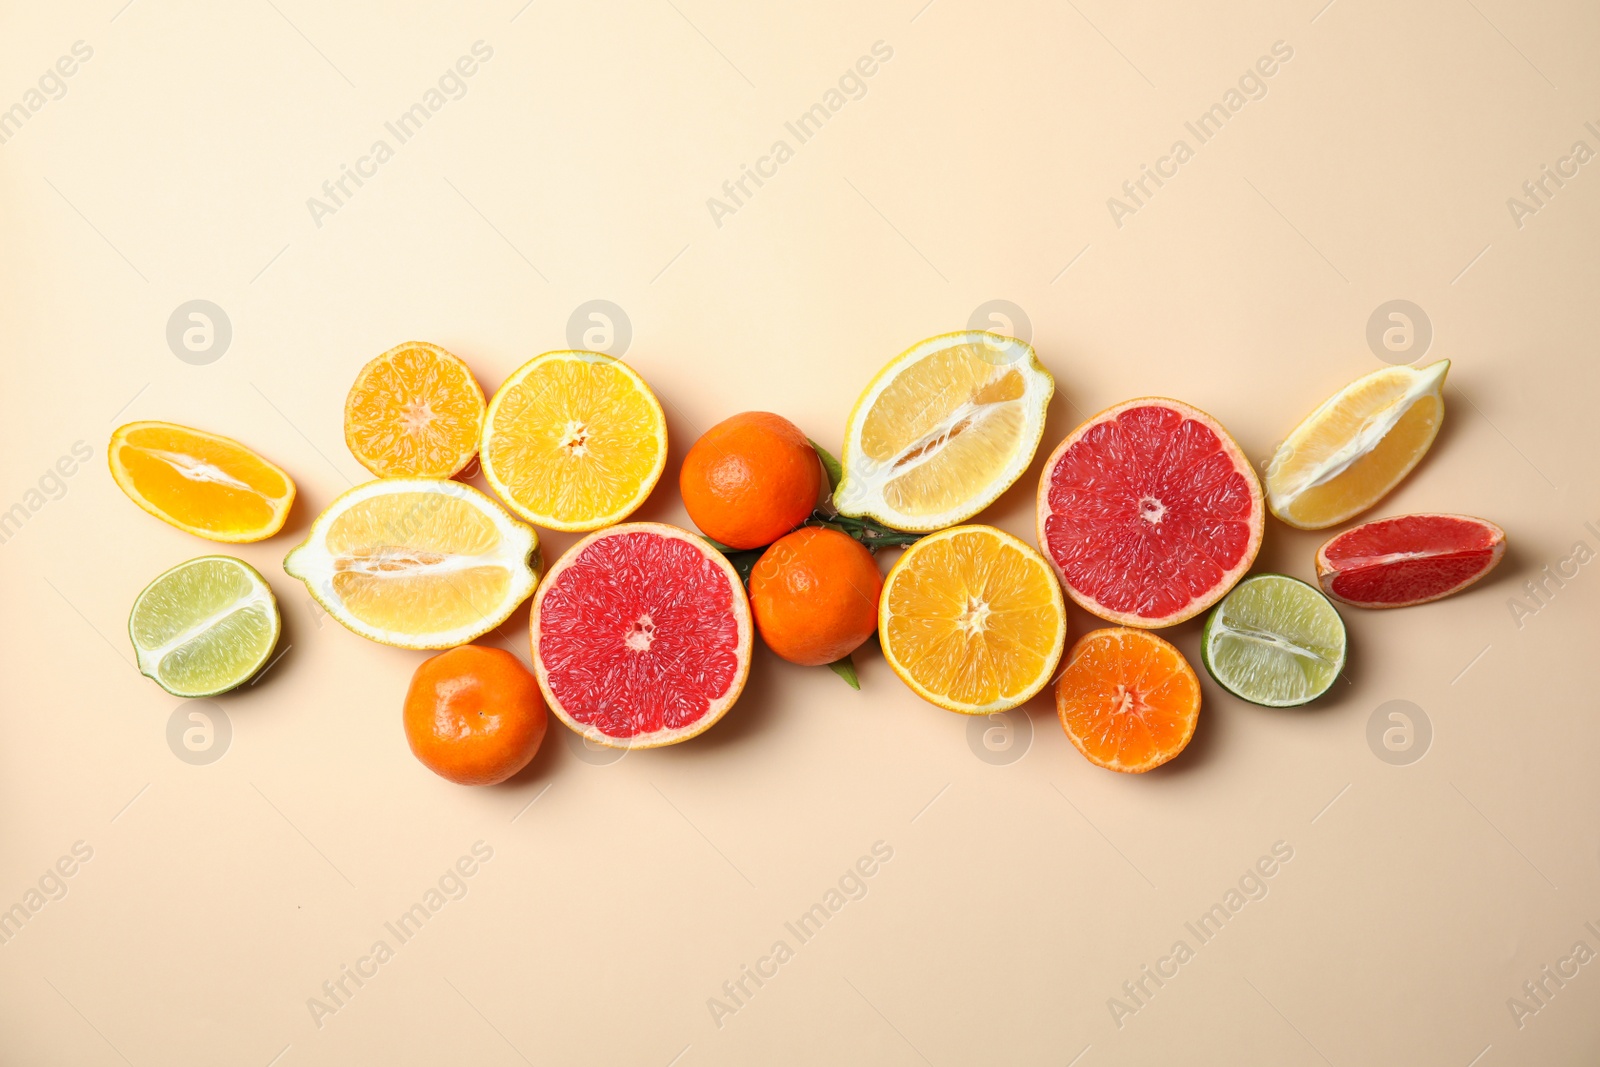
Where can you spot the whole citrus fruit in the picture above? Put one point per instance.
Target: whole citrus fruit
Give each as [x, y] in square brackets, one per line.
[815, 595]
[750, 479]
[474, 715]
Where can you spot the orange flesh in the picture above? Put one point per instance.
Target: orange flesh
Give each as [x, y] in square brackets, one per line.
[200, 482]
[1128, 700]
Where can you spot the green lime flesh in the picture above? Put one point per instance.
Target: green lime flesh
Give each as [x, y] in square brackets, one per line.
[1274, 641]
[205, 626]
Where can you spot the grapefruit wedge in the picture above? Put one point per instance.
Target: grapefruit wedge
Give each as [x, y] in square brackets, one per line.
[1408, 559]
[1150, 513]
[641, 636]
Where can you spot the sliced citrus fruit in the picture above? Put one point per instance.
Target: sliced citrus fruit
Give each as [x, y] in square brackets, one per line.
[943, 430]
[1275, 641]
[202, 483]
[1150, 512]
[416, 562]
[1408, 559]
[1344, 456]
[1128, 700]
[641, 636]
[574, 441]
[972, 620]
[414, 412]
[204, 627]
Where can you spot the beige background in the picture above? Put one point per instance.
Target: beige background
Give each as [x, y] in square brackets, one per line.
[977, 166]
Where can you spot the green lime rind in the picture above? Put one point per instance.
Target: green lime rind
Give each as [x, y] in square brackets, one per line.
[204, 627]
[1274, 641]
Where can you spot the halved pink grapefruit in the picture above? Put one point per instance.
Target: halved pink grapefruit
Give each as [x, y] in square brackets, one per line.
[1150, 512]
[641, 636]
[1408, 559]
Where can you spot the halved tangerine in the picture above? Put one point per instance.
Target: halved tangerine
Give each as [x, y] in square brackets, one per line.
[1128, 700]
[414, 412]
[641, 636]
[1150, 512]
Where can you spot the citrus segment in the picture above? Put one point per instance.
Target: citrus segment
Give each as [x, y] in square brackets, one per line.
[1346, 455]
[204, 627]
[641, 636]
[574, 441]
[1150, 512]
[414, 412]
[1275, 641]
[1127, 700]
[972, 620]
[1408, 559]
[416, 562]
[202, 483]
[943, 430]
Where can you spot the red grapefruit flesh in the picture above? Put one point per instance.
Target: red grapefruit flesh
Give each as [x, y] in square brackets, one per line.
[641, 636]
[1408, 559]
[1150, 512]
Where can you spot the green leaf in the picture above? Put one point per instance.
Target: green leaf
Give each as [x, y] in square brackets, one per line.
[873, 534]
[846, 669]
[829, 464]
[743, 560]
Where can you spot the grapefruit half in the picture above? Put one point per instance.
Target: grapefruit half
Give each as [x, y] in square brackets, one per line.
[641, 636]
[1408, 559]
[1149, 512]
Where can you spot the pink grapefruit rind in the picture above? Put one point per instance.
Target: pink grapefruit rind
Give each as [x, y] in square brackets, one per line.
[1188, 604]
[552, 684]
[1413, 559]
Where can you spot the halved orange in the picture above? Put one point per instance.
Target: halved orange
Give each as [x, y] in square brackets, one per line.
[574, 441]
[414, 412]
[202, 483]
[1128, 700]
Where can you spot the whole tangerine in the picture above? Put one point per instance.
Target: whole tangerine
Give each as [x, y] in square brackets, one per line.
[750, 479]
[814, 594]
[474, 715]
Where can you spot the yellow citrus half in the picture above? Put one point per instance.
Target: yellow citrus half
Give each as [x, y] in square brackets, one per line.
[414, 412]
[943, 430]
[972, 620]
[203, 483]
[1346, 455]
[417, 562]
[574, 441]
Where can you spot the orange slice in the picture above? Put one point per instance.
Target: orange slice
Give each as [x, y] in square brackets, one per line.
[574, 441]
[972, 620]
[414, 412]
[202, 483]
[1127, 699]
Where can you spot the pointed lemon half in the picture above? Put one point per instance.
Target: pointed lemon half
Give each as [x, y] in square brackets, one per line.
[574, 441]
[1346, 455]
[943, 430]
[417, 562]
[972, 620]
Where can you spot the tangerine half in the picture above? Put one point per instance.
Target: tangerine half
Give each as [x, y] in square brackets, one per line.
[1128, 700]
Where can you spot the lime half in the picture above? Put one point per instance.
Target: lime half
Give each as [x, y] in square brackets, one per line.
[205, 626]
[1275, 641]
